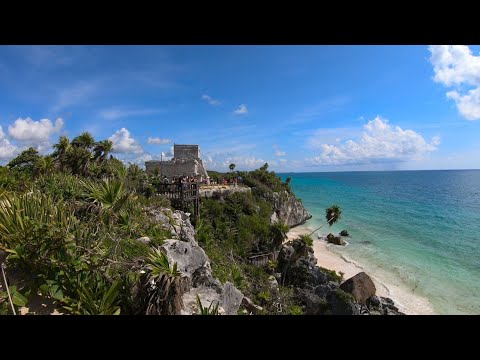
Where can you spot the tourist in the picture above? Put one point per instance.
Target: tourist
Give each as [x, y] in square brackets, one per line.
[165, 180]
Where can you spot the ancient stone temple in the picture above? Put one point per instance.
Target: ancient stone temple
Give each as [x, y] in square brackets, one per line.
[185, 162]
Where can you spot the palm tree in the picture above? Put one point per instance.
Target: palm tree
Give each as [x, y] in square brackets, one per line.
[61, 149]
[84, 140]
[78, 159]
[45, 165]
[134, 171]
[231, 167]
[332, 214]
[102, 149]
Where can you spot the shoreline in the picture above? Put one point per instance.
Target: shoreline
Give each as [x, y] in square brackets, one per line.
[405, 300]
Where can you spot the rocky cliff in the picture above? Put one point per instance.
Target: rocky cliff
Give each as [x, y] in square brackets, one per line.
[287, 209]
[322, 291]
[194, 264]
[221, 191]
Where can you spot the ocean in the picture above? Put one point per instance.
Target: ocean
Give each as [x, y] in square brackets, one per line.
[418, 229]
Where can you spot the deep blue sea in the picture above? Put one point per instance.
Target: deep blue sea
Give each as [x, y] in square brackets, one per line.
[421, 228]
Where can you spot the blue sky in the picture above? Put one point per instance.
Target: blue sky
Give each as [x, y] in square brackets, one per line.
[299, 108]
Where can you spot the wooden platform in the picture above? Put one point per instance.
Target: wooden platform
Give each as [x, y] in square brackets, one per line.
[182, 196]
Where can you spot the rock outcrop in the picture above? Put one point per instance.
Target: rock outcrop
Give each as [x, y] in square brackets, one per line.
[287, 209]
[337, 240]
[360, 286]
[382, 306]
[220, 191]
[194, 264]
[177, 222]
[319, 290]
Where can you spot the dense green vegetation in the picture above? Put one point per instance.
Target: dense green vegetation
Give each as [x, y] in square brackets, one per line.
[235, 228]
[69, 221]
[261, 180]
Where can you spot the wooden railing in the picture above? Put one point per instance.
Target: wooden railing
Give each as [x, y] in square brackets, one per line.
[186, 191]
[181, 195]
[263, 259]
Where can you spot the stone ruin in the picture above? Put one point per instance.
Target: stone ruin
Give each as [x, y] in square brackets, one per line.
[185, 162]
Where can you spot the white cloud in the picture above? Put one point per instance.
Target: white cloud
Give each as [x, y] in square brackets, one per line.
[468, 105]
[379, 142]
[34, 132]
[124, 143]
[243, 162]
[220, 161]
[157, 140]
[115, 113]
[241, 110]
[456, 66]
[7, 150]
[210, 100]
[279, 152]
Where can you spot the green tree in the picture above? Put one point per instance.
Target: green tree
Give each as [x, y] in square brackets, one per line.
[231, 167]
[78, 159]
[102, 149]
[45, 165]
[27, 160]
[61, 149]
[84, 140]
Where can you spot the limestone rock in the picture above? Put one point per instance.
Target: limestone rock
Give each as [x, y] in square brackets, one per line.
[273, 284]
[230, 299]
[342, 303]
[144, 240]
[251, 307]
[337, 240]
[188, 256]
[314, 304]
[287, 209]
[221, 191]
[360, 286]
[207, 297]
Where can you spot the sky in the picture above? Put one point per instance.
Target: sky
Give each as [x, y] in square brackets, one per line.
[298, 108]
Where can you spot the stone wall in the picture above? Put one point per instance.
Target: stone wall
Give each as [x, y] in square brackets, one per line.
[186, 162]
[186, 152]
[177, 167]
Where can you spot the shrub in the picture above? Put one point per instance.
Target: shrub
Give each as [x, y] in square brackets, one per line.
[307, 239]
[296, 310]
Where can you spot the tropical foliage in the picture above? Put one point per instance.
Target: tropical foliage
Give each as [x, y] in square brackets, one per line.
[70, 220]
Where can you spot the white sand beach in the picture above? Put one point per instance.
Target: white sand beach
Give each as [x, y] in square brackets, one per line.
[405, 300]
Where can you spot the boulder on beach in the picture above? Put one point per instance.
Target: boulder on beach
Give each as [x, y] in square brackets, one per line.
[360, 286]
[337, 240]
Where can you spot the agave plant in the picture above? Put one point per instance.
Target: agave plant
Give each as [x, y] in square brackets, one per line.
[205, 310]
[110, 194]
[95, 296]
[165, 285]
[26, 215]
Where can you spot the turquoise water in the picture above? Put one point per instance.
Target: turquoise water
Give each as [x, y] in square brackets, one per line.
[422, 228]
